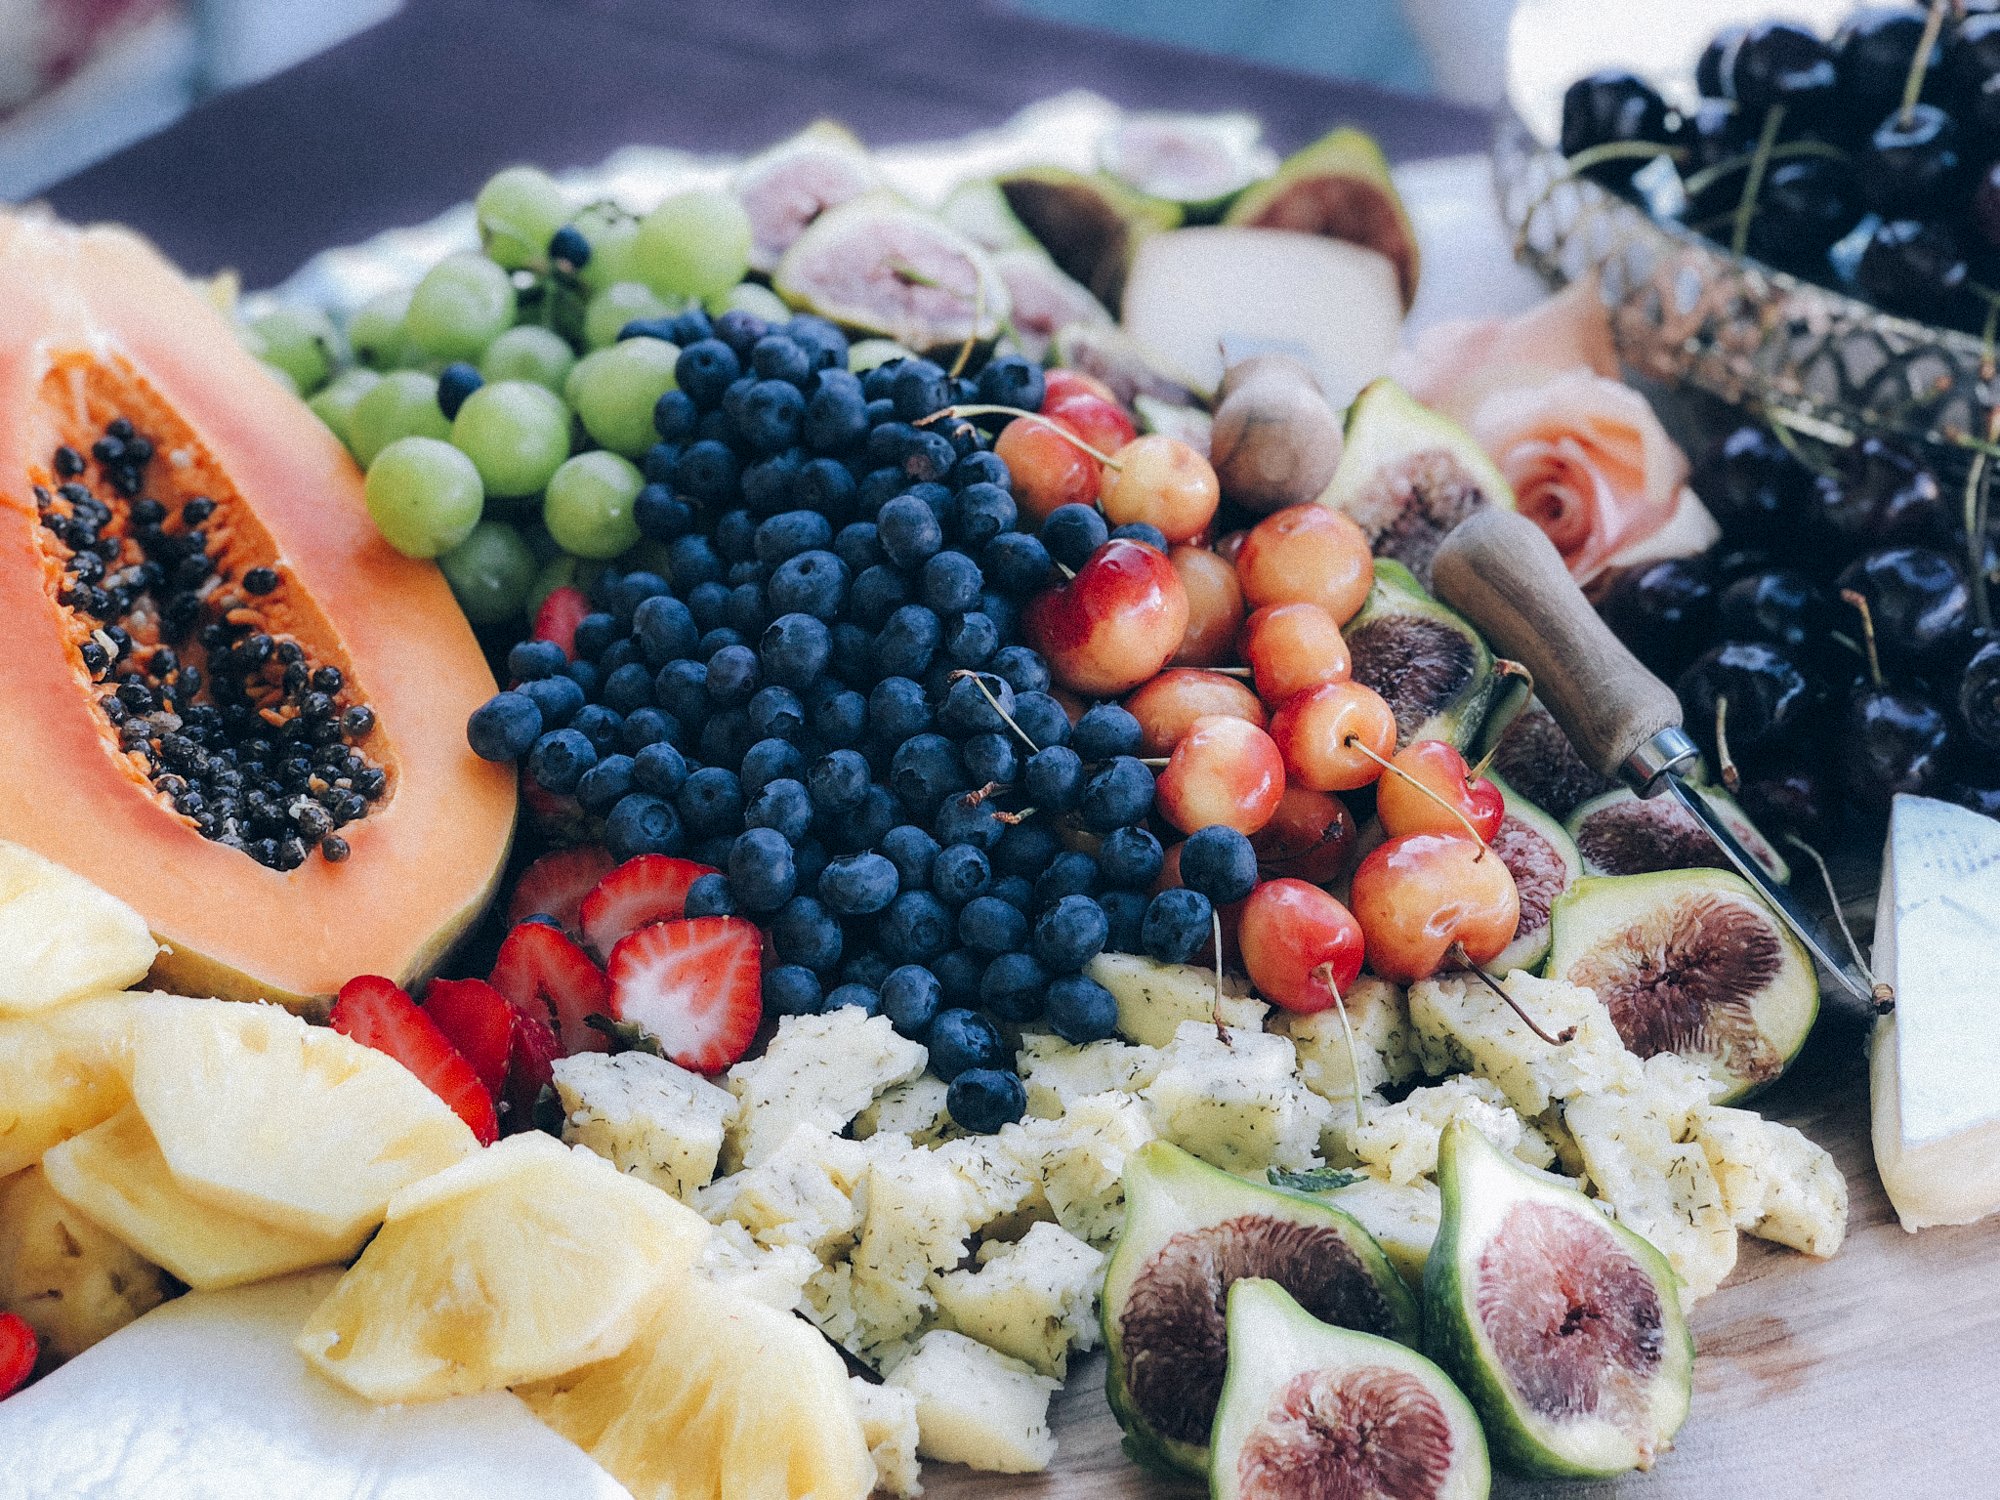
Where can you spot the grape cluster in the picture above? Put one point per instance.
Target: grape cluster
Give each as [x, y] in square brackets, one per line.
[827, 703]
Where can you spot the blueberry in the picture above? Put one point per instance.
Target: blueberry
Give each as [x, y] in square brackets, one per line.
[1120, 793]
[805, 932]
[984, 1100]
[598, 724]
[919, 388]
[1125, 911]
[981, 466]
[855, 545]
[989, 759]
[604, 783]
[705, 602]
[1070, 873]
[991, 926]
[913, 852]
[675, 416]
[877, 488]
[836, 415]
[960, 820]
[746, 612]
[915, 928]
[504, 727]
[783, 806]
[1017, 563]
[776, 713]
[559, 759]
[556, 698]
[1080, 1010]
[1016, 891]
[1104, 731]
[1143, 532]
[877, 594]
[734, 675]
[1025, 849]
[813, 583]
[880, 380]
[959, 873]
[776, 357]
[958, 974]
[532, 659]
[568, 247]
[705, 370]
[711, 802]
[852, 656]
[841, 719]
[789, 533]
[868, 1001]
[892, 443]
[660, 464]
[616, 655]
[978, 703]
[584, 674]
[712, 851]
[630, 687]
[736, 535]
[950, 582]
[630, 592]
[981, 512]
[858, 885]
[771, 484]
[866, 825]
[456, 381]
[963, 1039]
[924, 771]
[1025, 672]
[1013, 381]
[1041, 717]
[1220, 863]
[838, 781]
[1072, 533]
[824, 344]
[908, 531]
[708, 896]
[1176, 925]
[641, 823]
[762, 876]
[659, 768]
[726, 738]
[1070, 934]
[714, 640]
[1053, 778]
[809, 858]
[681, 688]
[661, 515]
[897, 710]
[1131, 857]
[790, 989]
[866, 967]
[708, 471]
[908, 641]
[795, 648]
[646, 726]
[970, 639]
[692, 557]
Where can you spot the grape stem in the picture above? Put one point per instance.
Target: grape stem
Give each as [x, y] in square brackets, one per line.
[1913, 85]
[1860, 602]
[1466, 965]
[1324, 973]
[1019, 414]
[1884, 994]
[1389, 767]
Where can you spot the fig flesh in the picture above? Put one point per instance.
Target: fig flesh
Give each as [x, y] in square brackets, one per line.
[1200, 162]
[1310, 1412]
[1426, 660]
[1045, 301]
[1622, 833]
[1191, 1231]
[1691, 962]
[1563, 1327]
[978, 210]
[1544, 862]
[788, 186]
[1536, 758]
[1090, 225]
[1102, 350]
[1340, 187]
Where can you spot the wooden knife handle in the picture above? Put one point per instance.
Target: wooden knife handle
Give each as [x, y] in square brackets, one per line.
[1498, 570]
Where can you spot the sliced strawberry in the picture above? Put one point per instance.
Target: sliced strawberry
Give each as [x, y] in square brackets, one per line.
[555, 885]
[376, 1013]
[538, 965]
[557, 619]
[477, 1020]
[647, 888]
[695, 986]
[530, 1066]
[559, 818]
[18, 1350]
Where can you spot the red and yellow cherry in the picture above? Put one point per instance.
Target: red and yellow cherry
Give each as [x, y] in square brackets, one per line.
[1098, 420]
[1439, 768]
[1326, 733]
[1292, 647]
[1307, 554]
[1229, 546]
[1215, 607]
[1162, 482]
[1417, 895]
[1310, 837]
[1168, 706]
[1059, 385]
[1301, 947]
[1048, 469]
[1114, 625]
[1224, 770]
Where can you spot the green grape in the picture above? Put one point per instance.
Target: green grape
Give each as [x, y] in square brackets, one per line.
[490, 572]
[424, 496]
[399, 405]
[614, 307]
[515, 432]
[588, 508]
[519, 209]
[864, 355]
[463, 304]
[301, 342]
[613, 236]
[335, 403]
[528, 351]
[747, 296]
[280, 374]
[375, 332]
[694, 244]
[615, 390]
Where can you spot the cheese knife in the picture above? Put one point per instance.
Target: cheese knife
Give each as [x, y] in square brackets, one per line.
[1501, 572]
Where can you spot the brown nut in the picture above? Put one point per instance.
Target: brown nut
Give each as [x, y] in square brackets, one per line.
[1275, 443]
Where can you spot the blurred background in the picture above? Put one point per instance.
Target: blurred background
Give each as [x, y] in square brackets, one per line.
[81, 78]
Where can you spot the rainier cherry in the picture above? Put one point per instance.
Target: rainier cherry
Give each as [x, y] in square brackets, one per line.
[1307, 554]
[1060, 385]
[1314, 728]
[1438, 767]
[1162, 482]
[1302, 948]
[1224, 770]
[1417, 895]
[1292, 647]
[1167, 707]
[1048, 469]
[1100, 422]
[1310, 837]
[1115, 624]
[1215, 607]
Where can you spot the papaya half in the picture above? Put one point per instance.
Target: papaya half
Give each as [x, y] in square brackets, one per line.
[223, 697]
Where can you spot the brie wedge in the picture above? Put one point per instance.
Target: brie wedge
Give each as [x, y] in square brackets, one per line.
[206, 1399]
[1935, 1065]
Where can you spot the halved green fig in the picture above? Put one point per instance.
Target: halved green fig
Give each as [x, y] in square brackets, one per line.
[1538, 760]
[783, 189]
[1544, 863]
[1129, 368]
[1340, 187]
[1200, 162]
[1191, 1231]
[1564, 1327]
[1425, 659]
[1402, 1217]
[1408, 475]
[882, 269]
[1692, 962]
[978, 210]
[1622, 833]
[1045, 300]
[1089, 224]
[1310, 1412]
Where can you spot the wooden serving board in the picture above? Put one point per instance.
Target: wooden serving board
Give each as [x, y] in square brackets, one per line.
[1874, 1374]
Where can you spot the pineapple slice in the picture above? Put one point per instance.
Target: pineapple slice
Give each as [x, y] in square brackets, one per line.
[292, 1124]
[72, 1282]
[720, 1396]
[63, 937]
[527, 1260]
[60, 1072]
[113, 1174]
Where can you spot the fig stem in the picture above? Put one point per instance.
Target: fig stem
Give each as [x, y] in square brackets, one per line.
[1753, 183]
[1725, 762]
[1913, 84]
[1019, 414]
[979, 681]
[1457, 951]
[1353, 742]
[1502, 667]
[1884, 993]
[1324, 972]
[1860, 602]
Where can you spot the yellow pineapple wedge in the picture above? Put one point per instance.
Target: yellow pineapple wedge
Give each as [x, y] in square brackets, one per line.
[114, 1175]
[291, 1124]
[525, 1261]
[63, 938]
[72, 1282]
[721, 1398]
[61, 1071]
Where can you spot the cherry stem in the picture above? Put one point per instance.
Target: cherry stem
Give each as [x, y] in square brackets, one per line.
[1884, 993]
[992, 788]
[1015, 819]
[1731, 777]
[1913, 84]
[1605, 151]
[978, 317]
[1324, 973]
[1502, 667]
[1708, 176]
[979, 681]
[1860, 602]
[1155, 761]
[1457, 951]
[1978, 489]
[1020, 414]
[1353, 742]
[1244, 672]
[1753, 183]
[1221, 1031]
[1065, 569]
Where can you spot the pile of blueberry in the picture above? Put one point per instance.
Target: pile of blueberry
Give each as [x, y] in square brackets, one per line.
[1870, 163]
[826, 703]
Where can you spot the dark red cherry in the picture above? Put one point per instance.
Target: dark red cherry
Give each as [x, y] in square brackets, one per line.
[1913, 268]
[1986, 203]
[1972, 56]
[1768, 695]
[1781, 607]
[1891, 741]
[1779, 63]
[1913, 164]
[1726, 564]
[1710, 70]
[1872, 55]
[1791, 799]
[1979, 697]
[1881, 494]
[1803, 206]
[1918, 600]
[1665, 611]
[1609, 107]
[1755, 487]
